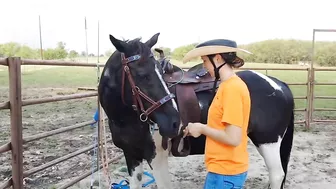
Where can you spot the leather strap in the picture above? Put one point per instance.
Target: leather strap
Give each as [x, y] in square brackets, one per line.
[136, 92]
[189, 111]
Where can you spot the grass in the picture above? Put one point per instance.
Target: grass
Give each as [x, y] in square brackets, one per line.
[78, 76]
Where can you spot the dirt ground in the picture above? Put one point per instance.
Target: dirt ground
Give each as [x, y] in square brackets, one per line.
[312, 165]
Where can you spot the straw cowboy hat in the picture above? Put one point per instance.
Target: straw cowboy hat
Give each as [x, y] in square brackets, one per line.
[214, 46]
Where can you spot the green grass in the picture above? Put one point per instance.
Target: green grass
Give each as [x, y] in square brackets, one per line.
[79, 76]
[55, 77]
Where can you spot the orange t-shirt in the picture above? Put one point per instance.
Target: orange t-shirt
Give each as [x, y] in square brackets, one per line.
[231, 105]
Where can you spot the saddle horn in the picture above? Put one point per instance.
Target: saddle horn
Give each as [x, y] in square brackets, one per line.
[160, 51]
[165, 63]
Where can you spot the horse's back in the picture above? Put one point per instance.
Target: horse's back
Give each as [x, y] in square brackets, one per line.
[272, 103]
[266, 87]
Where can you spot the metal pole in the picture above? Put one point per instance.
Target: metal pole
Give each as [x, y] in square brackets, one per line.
[98, 44]
[41, 49]
[312, 73]
[87, 51]
[311, 83]
[99, 111]
[312, 51]
[14, 68]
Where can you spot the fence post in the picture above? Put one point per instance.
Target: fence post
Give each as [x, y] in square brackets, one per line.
[311, 104]
[15, 100]
[307, 116]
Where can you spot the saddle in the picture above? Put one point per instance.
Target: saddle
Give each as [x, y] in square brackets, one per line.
[196, 76]
[186, 85]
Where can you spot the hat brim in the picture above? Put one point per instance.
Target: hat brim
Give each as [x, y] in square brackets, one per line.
[207, 50]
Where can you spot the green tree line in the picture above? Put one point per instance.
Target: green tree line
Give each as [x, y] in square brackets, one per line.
[58, 53]
[268, 51]
[280, 51]
[24, 51]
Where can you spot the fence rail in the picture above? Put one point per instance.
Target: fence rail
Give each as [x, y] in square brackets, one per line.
[56, 131]
[56, 99]
[5, 148]
[3, 61]
[15, 104]
[59, 160]
[58, 63]
[4, 105]
[8, 183]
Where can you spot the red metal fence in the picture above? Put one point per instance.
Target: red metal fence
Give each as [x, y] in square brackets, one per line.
[17, 141]
[16, 103]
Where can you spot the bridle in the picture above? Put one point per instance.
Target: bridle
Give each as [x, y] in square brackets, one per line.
[136, 92]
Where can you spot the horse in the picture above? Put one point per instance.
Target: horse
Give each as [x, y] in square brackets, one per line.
[137, 101]
[152, 130]
[271, 124]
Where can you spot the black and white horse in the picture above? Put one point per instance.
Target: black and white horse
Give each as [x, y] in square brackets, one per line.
[271, 124]
[136, 100]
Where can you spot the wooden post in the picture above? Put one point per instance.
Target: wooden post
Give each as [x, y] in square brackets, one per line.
[14, 68]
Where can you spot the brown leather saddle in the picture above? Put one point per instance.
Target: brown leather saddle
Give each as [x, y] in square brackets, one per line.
[185, 86]
[191, 76]
[196, 76]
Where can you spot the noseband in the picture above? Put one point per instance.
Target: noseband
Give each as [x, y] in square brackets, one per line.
[136, 92]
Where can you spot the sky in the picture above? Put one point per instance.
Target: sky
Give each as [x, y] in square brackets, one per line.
[179, 22]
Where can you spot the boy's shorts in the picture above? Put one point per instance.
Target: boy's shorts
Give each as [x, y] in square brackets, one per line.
[218, 181]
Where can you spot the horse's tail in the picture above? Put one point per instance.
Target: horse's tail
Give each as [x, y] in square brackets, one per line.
[286, 146]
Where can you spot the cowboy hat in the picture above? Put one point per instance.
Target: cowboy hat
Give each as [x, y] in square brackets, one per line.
[214, 46]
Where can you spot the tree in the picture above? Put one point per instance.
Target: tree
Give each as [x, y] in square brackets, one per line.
[279, 51]
[10, 49]
[72, 54]
[28, 53]
[60, 51]
[179, 52]
[15, 49]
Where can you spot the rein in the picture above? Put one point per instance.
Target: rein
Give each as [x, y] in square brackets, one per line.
[137, 93]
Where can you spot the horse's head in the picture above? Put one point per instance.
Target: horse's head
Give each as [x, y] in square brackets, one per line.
[142, 86]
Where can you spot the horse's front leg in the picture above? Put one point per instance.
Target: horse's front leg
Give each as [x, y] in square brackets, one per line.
[160, 164]
[135, 170]
[136, 180]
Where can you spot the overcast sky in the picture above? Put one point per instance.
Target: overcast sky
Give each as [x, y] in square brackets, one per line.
[179, 21]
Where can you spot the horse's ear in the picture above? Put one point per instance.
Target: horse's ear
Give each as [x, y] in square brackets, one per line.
[118, 44]
[153, 40]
